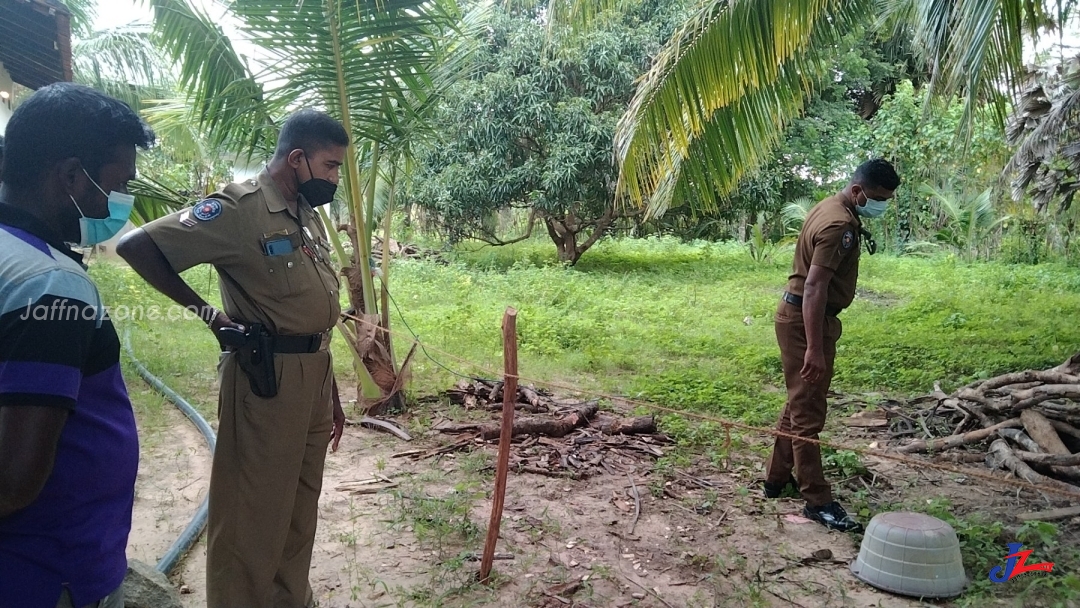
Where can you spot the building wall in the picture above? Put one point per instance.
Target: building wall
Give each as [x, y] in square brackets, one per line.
[6, 86]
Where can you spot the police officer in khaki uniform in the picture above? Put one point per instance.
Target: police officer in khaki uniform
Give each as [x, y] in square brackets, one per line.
[822, 284]
[271, 253]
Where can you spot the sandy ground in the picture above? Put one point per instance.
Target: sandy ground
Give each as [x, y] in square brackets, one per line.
[700, 540]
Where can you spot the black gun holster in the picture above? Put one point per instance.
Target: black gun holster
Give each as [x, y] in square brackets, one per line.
[256, 359]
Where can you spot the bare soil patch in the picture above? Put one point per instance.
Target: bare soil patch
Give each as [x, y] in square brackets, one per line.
[704, 535]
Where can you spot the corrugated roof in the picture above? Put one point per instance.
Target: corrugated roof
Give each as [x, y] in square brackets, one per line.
[35, 41]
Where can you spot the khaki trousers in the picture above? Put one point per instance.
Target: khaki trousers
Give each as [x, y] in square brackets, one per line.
[265, 484]
[804, 413]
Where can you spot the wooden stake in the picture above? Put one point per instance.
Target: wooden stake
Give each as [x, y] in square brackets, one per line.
[510, 363]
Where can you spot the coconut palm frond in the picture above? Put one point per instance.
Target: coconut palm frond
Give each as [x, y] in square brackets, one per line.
[714, 104]
[154, 199]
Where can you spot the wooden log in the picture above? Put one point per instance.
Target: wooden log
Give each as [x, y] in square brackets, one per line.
[969, 394]
[545, 426]
[502, 467]
[1001, 455]
[1040, 458]
[1073, 421]
[1020, 438]
[1051, 515]
[1065, 428]
[1043, 433]
[533, 398]
[631, 426]
[1070, 367]
[946, 443]
[1034, 396]
[1065, 408]
[1013, 388]
[1054, 376]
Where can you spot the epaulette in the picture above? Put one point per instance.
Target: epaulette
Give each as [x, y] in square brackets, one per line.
[238, 190]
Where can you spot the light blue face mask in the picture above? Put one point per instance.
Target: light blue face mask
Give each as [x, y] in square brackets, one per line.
[98, 230]
[872, 208]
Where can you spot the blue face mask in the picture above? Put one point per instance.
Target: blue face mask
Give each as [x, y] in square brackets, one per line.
[94, 230]
[872, 208]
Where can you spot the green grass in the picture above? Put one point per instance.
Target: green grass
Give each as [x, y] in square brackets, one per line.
[683, 325]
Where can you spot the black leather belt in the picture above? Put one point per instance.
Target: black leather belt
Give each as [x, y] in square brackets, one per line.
[298, 344]
[794, 300]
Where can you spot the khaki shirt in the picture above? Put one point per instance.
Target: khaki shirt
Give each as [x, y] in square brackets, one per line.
[829, 238]
[272, 270]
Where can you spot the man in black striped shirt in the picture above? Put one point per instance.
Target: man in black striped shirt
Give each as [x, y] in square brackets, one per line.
[68, 445]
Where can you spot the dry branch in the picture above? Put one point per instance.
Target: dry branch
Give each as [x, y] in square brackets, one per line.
[1042, 377]
[545, 426]
[1065, 429]
[631, 426]
[1037, 410]
[946, 443]
[1051, 515]
[1043, 433]
[1069, 460]
[1001, 455]
[1020, 438]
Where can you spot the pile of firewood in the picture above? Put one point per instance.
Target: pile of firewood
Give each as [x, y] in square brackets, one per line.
[1026, 422]
[562, 438]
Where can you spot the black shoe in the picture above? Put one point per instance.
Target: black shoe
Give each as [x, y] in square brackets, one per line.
[788, 489]
[833, 517]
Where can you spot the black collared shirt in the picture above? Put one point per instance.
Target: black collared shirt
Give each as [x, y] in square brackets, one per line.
[24, 220]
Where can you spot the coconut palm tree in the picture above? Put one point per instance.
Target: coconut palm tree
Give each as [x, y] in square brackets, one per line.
[374, 65]
[717, 98]
[1046, 130]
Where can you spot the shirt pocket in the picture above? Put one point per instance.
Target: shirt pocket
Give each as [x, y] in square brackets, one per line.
[284, 263]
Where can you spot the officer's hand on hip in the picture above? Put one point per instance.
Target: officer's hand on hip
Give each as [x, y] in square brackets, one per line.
[219, 321]
[813, 369]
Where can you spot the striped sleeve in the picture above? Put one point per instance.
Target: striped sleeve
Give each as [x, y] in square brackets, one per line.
[47, 326]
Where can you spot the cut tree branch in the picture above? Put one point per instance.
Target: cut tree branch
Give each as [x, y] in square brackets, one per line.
[946, 443]
[1003, 456]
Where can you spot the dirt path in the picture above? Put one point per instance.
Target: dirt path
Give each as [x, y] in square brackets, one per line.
[702, 539]
[174, 475]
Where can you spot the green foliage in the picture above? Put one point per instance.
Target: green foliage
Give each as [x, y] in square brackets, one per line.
[818, 151]
[794, 214]
[983, 545]
[982, 541]
[921, 143]
[842, 463]
[532, 129]
[966, 222]
[688, 325]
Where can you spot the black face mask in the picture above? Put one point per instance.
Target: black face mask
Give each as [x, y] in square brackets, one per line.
[316, 191]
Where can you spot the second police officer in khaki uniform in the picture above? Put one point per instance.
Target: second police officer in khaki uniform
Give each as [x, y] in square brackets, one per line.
[821, 285]
[270, 250]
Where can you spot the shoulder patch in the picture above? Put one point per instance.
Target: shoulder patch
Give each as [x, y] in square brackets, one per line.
[848, 240]
[210, 208]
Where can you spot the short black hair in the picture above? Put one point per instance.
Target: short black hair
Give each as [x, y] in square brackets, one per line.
[310, 130]
[877, 172]
[66, 120]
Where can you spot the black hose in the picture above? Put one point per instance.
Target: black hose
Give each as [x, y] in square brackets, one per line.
[191, 533]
